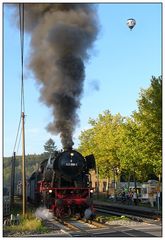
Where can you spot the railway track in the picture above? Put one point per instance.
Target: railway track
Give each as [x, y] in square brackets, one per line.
[133, 214]
[71, 228]
[80, 228]
[83, 229]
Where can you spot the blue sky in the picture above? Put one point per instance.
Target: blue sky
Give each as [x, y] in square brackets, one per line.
[121, 63]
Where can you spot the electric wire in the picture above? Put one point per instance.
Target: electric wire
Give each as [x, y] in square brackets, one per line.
[18, 130]
[21, 26]
[19, 142]
[21, 14]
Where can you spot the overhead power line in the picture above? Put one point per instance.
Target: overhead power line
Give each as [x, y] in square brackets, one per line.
[21, 15]
[18, 130]
[22, 99]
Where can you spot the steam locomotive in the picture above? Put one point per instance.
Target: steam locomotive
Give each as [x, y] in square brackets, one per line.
[63, 183]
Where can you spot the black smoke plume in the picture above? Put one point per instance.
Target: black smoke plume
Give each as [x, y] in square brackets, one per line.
[61, 37]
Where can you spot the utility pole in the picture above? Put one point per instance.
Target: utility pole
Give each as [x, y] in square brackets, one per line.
[12, 179]
[23, 167]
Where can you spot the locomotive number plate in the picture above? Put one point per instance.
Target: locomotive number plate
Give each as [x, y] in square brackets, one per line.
[71, 164]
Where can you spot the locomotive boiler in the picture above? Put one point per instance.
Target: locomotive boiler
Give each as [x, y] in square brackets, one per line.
[63, 183]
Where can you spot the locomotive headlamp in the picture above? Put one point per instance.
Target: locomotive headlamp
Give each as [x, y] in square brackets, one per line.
[91, 191]
[72, 154]
[50, 191]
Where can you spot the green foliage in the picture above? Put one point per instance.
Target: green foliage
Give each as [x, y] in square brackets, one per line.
[130, 145]
[131, 151]
[31, 224]
[103, 140]
[111, 218]
[31, 162]
[149, 118]
[28, 223]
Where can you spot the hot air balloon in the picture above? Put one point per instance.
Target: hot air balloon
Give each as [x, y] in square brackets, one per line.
[131, 23]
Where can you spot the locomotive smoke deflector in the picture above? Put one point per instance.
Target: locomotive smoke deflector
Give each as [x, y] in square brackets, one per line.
[90, 159]
[49, 164]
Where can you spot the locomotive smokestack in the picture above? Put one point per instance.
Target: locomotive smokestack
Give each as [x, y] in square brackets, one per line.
[67, 148]
[61, 36]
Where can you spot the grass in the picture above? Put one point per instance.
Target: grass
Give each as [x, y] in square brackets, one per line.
[111, 218]
[29, 223]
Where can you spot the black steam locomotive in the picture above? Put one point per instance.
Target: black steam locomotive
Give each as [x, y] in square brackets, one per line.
[63, 183]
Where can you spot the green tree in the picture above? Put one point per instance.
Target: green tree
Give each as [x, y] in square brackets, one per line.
[87, 145]
[50, 147]
[103, 140]
[131, 151]
[130, 145]
[149, 118]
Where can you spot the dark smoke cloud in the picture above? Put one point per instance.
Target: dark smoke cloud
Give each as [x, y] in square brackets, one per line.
[61, 36]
